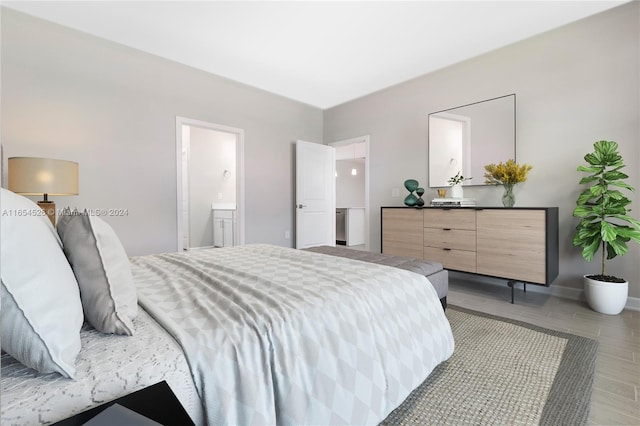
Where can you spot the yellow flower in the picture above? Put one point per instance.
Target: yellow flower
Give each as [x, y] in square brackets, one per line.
[508, 173]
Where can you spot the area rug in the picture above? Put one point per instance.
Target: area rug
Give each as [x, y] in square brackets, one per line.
[504, 372]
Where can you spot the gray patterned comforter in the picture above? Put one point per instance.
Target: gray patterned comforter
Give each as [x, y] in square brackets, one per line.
[282, 336]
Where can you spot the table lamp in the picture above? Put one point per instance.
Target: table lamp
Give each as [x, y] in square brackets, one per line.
[43, 176]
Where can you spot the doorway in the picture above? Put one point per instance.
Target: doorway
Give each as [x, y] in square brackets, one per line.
[210, 180]
[352, 192]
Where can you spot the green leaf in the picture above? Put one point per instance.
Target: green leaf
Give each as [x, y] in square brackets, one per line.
[614, 175]
[608, 232]
[589, 250]
[606, 147]
[584, 197]
[616, 195]
[619, 247]
[621, 184]
[588, 179]
[593, 169]
[582, 211]
[630, 233]
[624, 217]
[610, 251]
[594, 159]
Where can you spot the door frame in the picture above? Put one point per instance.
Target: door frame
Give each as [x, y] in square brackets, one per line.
[366, 140]
[239, 133]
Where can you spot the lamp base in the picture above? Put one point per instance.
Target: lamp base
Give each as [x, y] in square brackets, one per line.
[49, 208]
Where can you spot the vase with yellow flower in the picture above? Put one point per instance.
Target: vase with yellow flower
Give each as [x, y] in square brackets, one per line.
[508, 175]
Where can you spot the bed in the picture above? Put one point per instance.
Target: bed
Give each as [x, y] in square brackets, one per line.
[256, 334]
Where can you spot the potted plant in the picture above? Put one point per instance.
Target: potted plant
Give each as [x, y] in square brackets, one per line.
[456, 185]
[605, 224]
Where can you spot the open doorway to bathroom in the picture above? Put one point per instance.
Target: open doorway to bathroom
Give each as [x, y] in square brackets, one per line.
[209, 186]
[352, 192]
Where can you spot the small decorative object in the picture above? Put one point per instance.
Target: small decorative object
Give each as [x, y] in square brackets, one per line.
[410, 200]
[508, 199]
[442, 193]
[411, 185]
[456, 185]
[457, 179]
[604, 224]
[456, 191]
[420, 201]
[506, 174]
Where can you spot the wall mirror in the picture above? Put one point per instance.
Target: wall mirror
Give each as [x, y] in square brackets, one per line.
[466, 138]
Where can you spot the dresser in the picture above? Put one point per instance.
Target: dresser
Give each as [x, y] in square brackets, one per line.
[516, 244]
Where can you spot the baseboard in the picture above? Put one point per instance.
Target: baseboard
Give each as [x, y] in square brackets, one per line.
[633, 303]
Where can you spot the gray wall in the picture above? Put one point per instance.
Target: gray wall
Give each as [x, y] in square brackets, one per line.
[72, 96]
[574, 86]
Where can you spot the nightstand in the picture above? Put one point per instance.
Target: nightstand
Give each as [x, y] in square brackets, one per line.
[157, 402]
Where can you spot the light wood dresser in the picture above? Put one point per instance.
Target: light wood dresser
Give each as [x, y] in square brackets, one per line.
[517, 244]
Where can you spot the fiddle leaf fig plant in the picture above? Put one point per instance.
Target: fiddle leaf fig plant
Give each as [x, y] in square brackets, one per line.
[603, 210]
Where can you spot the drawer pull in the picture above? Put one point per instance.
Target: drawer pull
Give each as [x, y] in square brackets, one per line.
[446, 229]
[446, 249]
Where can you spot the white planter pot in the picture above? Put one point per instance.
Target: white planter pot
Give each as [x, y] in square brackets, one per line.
[604, 297]
[456, 191]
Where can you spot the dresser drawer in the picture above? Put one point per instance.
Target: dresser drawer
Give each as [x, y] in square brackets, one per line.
[460, 239]
[450, 218]
[401, 232]
[459, 260]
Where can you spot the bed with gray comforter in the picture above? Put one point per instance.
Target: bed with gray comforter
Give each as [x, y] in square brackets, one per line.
[254, 335]
[281, 336]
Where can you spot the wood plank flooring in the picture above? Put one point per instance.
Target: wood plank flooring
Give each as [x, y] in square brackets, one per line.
[616, 393]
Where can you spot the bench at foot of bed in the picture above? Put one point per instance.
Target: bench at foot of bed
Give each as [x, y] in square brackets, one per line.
[437, 275]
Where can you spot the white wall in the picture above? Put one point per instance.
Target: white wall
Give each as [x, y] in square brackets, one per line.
[574, 86]
[211, 153]
[113, 109]
[350, 190]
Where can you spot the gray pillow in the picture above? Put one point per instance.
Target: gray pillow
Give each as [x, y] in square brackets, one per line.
[41, 314]
[102, 269]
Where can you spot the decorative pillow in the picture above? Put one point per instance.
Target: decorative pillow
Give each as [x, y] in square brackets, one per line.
[41, 314]
[102, 269]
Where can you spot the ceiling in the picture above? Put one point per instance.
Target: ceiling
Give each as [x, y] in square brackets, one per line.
[320, 53]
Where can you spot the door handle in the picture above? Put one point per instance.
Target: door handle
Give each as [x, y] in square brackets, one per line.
[300, 206]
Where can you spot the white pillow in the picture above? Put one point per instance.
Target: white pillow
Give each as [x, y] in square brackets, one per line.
[41, 314]
[102, 269]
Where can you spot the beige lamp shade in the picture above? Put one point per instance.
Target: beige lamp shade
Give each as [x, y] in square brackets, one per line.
[40, 176]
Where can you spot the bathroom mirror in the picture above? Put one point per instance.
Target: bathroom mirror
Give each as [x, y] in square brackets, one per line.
[466, 138]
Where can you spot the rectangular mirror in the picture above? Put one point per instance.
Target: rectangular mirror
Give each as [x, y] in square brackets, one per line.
[466, 138]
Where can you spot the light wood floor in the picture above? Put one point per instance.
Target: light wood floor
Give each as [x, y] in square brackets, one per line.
[616, 393]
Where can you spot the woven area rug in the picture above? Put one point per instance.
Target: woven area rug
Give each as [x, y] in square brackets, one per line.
[504, 372]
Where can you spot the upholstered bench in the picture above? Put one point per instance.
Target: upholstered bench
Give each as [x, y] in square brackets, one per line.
[437, 275]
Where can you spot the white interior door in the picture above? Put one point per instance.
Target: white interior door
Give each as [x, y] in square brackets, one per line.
[315, 195]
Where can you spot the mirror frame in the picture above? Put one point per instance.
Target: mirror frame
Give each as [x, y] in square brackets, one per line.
[451, 111]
